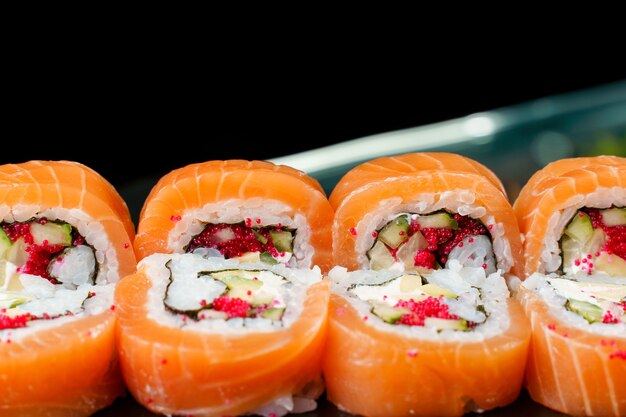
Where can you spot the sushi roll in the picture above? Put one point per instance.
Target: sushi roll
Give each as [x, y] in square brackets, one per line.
[65, 241]
[228, 315]
[248, 210]
[573, 217]
[423, 324]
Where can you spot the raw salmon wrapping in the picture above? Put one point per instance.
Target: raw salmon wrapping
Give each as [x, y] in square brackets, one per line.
[65, 240]
[227, 313]
[424, 324]
[573, 217]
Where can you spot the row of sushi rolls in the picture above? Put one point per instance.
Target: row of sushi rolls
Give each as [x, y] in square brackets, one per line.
[414, 289]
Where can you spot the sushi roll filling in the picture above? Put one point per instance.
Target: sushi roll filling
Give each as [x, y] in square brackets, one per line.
[594, 300]
[40, 246]
[226, 294]
[595, 241]
[47, 271]
[411, 300]
[424, 242]
[271, 244]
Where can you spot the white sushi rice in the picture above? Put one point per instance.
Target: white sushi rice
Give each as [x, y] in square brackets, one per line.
[268, 212]
[91, 230]
[539, 284]
[472, 286]
[601, 198]
[156, 268]
[459, 201]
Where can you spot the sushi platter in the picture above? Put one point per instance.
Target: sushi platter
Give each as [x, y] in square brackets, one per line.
[413, 285]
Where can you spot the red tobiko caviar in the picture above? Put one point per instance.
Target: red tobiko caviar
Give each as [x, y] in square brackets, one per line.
[434, 237]
[425, 259]
[39, 258]
[616, 235]
[14, 322]
[619, 354]
[352, 231]
[234, 307]
[18, 230]
[609, 318]
[241, 240]
[442, 240]
[175, 218]
[420, 310]
[552, 326]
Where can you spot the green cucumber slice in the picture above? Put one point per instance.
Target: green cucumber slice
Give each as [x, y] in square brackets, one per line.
[258, 236]
[54, 233]
[386, 312]
[592, 313]
[580, 228]
[395, 232]
[5, 242]
[274, 313]
[267, 258]
[380, 257]
[438, 220]
[283, 241]
[445, 324]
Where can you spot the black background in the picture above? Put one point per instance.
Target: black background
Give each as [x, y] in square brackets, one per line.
[138, 131]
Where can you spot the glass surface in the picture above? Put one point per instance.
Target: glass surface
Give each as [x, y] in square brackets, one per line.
[514, 142]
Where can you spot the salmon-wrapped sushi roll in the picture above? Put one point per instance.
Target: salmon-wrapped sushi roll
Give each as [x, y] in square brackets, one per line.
[424, 324]
[65, 240]
[249, 210]
[573, 217]
[233, 322]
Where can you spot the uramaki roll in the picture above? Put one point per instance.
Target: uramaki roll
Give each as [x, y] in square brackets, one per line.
[65, 240]
[226, 316]
[573, 217]
[243, 209]
[426, 327]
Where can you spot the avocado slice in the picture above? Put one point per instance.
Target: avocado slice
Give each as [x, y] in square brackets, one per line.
[580, 228]
[614, 216]
[274, 313]
[407, 251]
[12, 300]
[386, 312]
[5, 242]
[54, 233]
[438, 220]
[613, 265]
[248, 257]
[436, 291]
[410, 283]
[17, 253]
[395, 232]
[590, 312]
[283, 241]
[380, 257]
[446, 324]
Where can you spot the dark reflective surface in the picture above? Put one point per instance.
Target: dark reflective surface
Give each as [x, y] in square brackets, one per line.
[523, 407]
